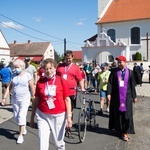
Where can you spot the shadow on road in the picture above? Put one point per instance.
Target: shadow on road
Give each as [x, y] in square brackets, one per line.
[9, 134]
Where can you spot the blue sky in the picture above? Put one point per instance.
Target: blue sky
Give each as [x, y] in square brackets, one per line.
[49, 20]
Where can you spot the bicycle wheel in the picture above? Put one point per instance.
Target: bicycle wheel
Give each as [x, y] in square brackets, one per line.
[82, 124]
[92, 114]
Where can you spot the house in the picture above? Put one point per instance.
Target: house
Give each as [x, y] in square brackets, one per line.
[123, 29]
[4, 48]
[37, 51]
[77, 56]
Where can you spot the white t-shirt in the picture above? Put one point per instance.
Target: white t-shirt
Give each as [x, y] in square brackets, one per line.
[20, 87]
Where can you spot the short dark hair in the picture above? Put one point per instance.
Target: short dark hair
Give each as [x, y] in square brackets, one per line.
[68, 52]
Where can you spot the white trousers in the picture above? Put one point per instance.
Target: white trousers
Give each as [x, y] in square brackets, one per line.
[47, 123]
[20, 109]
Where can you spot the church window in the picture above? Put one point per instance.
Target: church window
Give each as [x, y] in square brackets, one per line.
[112, 34]
[135, 35]
[110, 58]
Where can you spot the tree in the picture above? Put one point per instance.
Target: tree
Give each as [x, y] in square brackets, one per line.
[58, 57]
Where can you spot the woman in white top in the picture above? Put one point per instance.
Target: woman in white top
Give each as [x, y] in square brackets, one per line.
[20, 84]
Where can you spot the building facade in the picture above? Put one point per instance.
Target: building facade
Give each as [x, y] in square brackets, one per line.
[123, 29]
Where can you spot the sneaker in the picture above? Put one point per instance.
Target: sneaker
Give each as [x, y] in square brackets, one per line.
[25, 131]
[107, 110]
[20, 139]
[100, 112]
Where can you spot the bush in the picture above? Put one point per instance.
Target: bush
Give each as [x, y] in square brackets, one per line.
[138, 56]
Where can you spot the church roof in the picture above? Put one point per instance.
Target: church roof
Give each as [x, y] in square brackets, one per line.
[126, 10]
[93, 38]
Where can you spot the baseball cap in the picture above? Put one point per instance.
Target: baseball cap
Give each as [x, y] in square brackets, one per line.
[27, 59]
[103, 65]
[121, 58]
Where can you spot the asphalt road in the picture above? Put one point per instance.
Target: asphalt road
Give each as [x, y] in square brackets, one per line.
[99, 138]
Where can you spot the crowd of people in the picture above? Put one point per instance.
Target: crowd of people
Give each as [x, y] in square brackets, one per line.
[52, 89]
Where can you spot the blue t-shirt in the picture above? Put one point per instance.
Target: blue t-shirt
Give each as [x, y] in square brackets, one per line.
[5, 75]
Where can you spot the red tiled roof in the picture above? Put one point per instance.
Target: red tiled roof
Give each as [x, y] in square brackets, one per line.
[38, 58]
[77, 55]
[125, 10]
[32, 49]
[35, 58]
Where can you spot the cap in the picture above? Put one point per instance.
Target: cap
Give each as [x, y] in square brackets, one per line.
[103, 65]
[121, 58]
[27, 59]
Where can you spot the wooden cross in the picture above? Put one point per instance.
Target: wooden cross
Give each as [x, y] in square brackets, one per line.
[147, 39]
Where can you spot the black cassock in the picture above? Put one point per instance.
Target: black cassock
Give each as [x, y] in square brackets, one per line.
[137, 74]
[121, 121]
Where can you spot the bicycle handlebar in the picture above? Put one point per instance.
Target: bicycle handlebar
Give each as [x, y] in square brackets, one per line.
[88, 90]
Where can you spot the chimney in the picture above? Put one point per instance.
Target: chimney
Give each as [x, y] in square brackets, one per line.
[29, 41]
[15, 41]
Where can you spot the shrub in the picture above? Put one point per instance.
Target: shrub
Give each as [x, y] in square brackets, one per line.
[138, 56]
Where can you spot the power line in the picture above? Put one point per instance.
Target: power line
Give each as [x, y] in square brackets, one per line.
[31, 28]
[24, 33]
[34, 30]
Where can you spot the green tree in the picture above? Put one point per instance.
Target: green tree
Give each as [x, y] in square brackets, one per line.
[58, 57]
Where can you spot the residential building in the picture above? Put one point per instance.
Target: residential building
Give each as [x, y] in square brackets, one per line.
[77, 56]
[37, 51]
[4, 48]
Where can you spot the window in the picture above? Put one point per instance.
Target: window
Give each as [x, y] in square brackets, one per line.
[112, 34]
[110, 58]
[135, 35]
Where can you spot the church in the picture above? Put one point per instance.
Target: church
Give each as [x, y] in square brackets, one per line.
[123, 28]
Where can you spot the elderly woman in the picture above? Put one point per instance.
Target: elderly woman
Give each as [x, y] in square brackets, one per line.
[52, 107]
[20, 84]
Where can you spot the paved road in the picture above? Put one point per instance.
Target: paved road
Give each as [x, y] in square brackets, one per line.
[98, 139]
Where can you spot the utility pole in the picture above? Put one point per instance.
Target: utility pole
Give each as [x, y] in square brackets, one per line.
[64, 45]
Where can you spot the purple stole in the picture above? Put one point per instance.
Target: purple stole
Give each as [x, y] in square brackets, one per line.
[123, 89]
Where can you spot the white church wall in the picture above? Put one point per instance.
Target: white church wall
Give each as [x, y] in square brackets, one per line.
[102, 7]
[123, 32]
[100, 54]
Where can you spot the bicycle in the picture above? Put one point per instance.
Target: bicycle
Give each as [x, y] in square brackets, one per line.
[87, 114]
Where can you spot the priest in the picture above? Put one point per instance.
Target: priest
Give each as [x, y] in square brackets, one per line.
[121, 93]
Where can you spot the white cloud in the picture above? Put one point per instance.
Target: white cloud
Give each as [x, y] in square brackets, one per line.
[37, 19]
[11, 25]
[80, 23]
